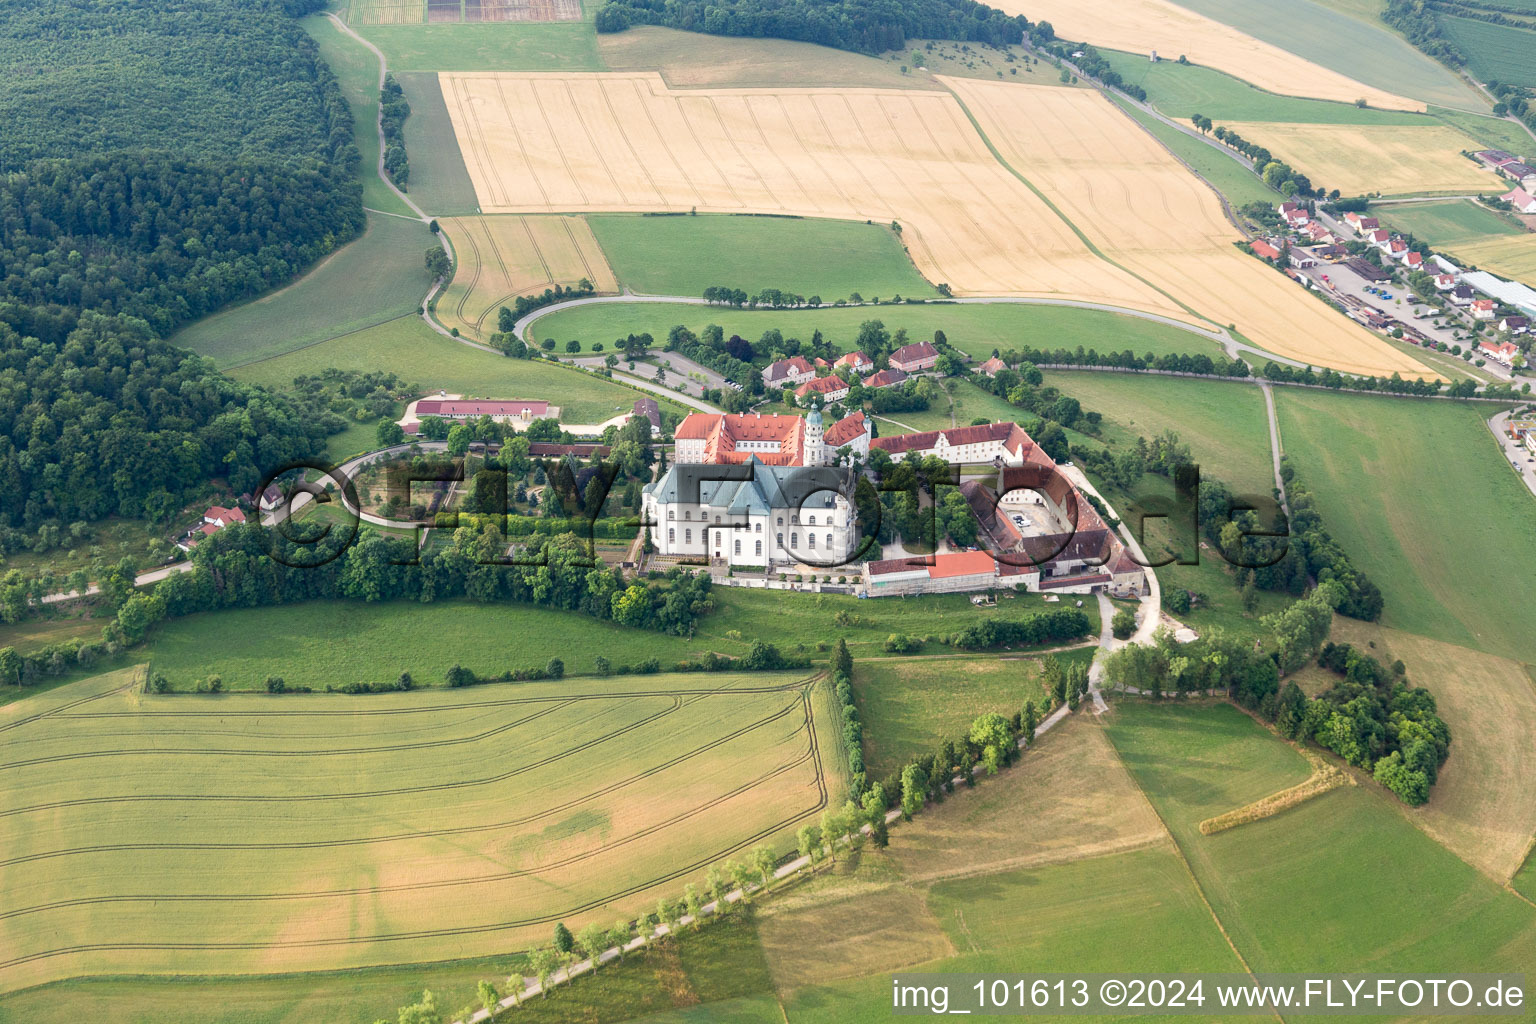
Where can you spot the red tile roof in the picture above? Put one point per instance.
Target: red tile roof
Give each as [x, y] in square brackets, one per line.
[787, 367]
[224, 516]
[961, 563]
[884, 379]
[844, 430]
[853, 359]
[721, 432]
[914, 353]
[821, 386]
[1264, 249]
[1012, 436]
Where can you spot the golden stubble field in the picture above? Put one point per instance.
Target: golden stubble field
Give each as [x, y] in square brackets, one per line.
[1361, 158]
[1512, 256]
[501, 257]
[1146, 212]
[1141, 26]
[249, 833]
[537, 143]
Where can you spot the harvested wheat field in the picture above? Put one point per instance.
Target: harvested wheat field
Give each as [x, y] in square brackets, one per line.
[1483, 806]
[1072, 791]
[1511, 256]
[1142, 26]
[1146, 212]
[250, 833]
[1361, 158]
[502, 257]
[625, 142]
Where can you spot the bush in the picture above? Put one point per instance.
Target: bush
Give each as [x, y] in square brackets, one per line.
[1123, 624]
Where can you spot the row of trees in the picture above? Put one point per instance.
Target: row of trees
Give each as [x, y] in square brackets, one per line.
[393, 110]
[1393, 385]
[1276, 173]
[1198, 363]
[866, 26]
[507, 318]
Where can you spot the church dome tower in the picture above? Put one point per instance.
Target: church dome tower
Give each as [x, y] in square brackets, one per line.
[815, 444]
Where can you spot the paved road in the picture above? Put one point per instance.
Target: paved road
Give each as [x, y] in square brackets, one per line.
[1520, 459]
[1217, 335]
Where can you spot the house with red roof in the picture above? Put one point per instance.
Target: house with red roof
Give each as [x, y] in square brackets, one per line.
[1001, 443]
[1482, 309]
[830, 388]
[1521, 200]
[914, 358]
[1503, 353]
[992, 367]
[1445, 282]
[1264, 250]
[885, 379]
[853, 432]
[773, 439]
[856, 361]
[215, 519]
[791, 371]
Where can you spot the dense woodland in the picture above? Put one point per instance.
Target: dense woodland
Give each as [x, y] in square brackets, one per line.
[163, 159]
[866, 26]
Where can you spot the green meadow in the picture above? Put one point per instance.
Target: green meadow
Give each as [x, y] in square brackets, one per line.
[1446, 223]
[974, 328]
[806, 256]
[1501, 53]
[1240, 185]
[1182, 90]
[908, 706]
[1356, 44]
[487, 46]
[1223, 422]
[373, 280]
[421, 356]
[440, 182]
[388, 638]
[357, 71]
[1420, 496]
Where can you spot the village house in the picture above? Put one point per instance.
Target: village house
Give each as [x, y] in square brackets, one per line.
[1445, 282]
[1521, 200]
[1397, 248]
[772, 517]
[1317, 233]
[914, 358]
[1000, 443]
[852, 432]
[1482, 309]
[1515, 324]
[992, 367]
[1413, 260]
[215, 519]
[647, 409]
[830, 388]
[1503, 353]
[794, 370]
[1264, 250]
[1360, 223]
[1293, 215]
[1462, 295]
[1380, 238]
[1301, 259]
[885, 379]
[776, 439]
[858, 362]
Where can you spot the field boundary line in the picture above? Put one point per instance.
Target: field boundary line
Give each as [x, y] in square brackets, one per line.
[322, 341]
[1083, 237]
[1189, 870]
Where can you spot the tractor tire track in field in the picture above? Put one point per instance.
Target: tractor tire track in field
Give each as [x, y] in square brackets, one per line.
[405, 790]
[466, 705]
[479, 261]
[482, 929]
[251, 752]
[59, 711]
[218, 798]
[501, 876]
